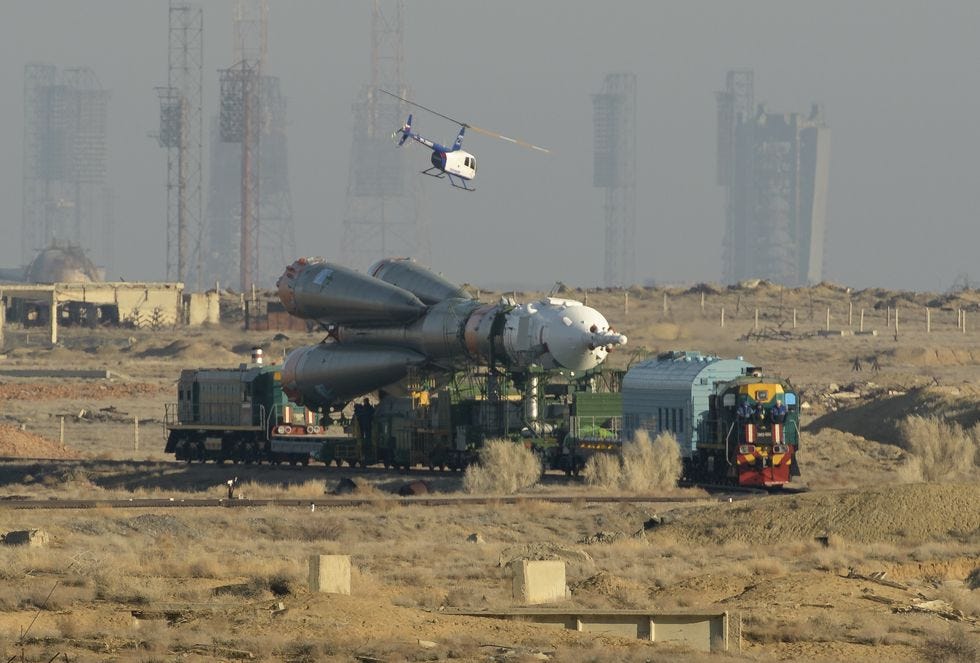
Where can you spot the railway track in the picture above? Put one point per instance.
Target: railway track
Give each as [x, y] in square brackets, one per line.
[182, 478]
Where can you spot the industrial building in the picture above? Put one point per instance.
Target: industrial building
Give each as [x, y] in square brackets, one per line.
[775, 169]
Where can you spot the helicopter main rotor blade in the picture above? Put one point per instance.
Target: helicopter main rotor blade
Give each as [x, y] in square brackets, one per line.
[462, 124]
[516, 141]
[470, 126]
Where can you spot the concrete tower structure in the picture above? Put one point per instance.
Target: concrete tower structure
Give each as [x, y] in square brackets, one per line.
[384, 213]
[775, 167]
[614, 170]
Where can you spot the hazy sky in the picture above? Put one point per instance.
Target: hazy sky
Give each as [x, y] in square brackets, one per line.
[899, 81]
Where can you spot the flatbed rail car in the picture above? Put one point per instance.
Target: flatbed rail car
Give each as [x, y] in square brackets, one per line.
[242, 415]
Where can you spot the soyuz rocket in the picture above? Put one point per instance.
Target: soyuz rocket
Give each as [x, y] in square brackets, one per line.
[401, 317]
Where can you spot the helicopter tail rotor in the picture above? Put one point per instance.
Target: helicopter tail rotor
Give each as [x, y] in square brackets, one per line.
[405, 132]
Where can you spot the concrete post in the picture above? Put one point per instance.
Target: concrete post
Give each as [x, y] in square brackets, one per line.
[61, 436]
[330, 574]
[828, 319]
[928, 320]
[794, 318]
[757, 318]
[702, 301]
[665, 303]
[54, 317]
[626, 302]
[3, 319]
[136, 433]
[722, 316]
[850, 314]
[862, 320]
[541, 581]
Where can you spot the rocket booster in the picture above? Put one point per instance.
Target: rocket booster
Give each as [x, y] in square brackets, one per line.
[402, 317]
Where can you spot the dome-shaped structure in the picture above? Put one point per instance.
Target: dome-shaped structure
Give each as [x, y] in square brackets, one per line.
[62, 263]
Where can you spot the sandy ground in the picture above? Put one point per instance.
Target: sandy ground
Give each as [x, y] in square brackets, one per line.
[837, 573]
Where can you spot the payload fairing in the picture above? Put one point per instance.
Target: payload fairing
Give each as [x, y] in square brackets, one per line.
[401, 317]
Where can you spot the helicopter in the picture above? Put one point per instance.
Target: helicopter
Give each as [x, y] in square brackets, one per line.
[454, 162]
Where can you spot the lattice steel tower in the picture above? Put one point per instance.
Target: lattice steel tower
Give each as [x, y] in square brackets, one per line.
[384, 213]
[614, 170]
[65, 195]
[182, 135]
[249, 204]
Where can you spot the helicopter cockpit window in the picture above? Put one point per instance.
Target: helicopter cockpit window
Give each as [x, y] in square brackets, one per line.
[473, 163]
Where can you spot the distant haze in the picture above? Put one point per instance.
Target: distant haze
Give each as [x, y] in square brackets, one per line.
[899, 81]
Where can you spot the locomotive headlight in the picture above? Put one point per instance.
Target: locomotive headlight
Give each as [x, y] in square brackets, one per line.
[745, 449]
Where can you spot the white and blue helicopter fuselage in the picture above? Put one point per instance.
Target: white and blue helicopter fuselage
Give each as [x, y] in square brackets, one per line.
[452, 161]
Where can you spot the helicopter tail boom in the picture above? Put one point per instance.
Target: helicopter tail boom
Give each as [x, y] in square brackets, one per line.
[459, 138]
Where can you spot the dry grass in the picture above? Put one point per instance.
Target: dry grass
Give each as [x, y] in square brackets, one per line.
[504, 468]
[940, 450]
[955, 646]
[641, 467]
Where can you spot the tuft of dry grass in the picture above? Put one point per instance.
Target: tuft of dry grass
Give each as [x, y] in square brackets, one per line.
[504, 467]
[603, 471]
[642, 465]
[941, 450]
[956, 646]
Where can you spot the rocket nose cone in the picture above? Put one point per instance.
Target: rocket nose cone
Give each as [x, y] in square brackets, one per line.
[286, 284]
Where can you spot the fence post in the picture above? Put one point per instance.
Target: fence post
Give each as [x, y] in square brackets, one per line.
[722, 316]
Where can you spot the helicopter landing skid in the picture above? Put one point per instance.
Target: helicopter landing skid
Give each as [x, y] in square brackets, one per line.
[438, 174]
[461, 185]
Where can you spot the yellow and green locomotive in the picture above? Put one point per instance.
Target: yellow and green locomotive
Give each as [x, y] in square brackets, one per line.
[733, 424]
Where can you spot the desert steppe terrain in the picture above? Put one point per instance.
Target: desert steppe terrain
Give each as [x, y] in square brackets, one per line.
[874, 557]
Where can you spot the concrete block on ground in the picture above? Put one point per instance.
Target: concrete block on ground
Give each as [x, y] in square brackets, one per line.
[330, 574]
[539, 581]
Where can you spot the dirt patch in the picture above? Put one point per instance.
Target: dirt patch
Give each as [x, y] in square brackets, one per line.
[15, 443]
[926, 512]
[39, 390]
[203, 352]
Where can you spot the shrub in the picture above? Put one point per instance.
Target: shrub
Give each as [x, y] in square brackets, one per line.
[603, 471]
[642, 465]
[941, 449]
[954, 647]
[503, 467]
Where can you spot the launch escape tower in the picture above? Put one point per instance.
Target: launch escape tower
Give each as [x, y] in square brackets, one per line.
[249, 202]
[66, 198]
[181, 134]
[775, 168]
[614, 168]
[384, 213]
